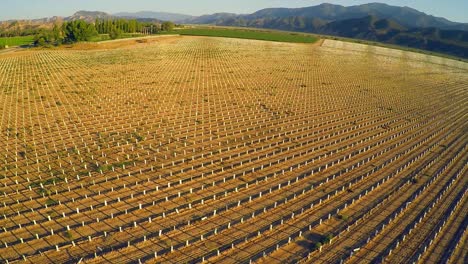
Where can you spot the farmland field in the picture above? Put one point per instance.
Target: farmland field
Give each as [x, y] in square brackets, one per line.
[192, 149]
[17, 41]
[244, 33]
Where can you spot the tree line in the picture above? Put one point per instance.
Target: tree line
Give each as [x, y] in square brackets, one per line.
[80, 30]
[69, 32]
[108, 26]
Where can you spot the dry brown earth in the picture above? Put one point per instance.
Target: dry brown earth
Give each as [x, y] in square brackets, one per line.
[183, 149]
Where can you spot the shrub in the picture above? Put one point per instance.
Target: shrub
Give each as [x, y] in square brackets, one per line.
[51, 202]
[316, 246]
[167, 26]
[104, 168]
[326, 239]
[343, 217]
[78, 30]
[138, 136]
[43, 39]
[115, 33]
[68, 235]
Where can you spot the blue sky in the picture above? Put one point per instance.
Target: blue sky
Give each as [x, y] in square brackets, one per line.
[455, 10]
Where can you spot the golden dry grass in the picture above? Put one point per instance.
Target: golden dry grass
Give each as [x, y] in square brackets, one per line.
[186, 146]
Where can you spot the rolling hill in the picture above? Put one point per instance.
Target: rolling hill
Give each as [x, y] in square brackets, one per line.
[89, 16]
[453, 42]
[156, 15]
[406, 16]
[402, 26]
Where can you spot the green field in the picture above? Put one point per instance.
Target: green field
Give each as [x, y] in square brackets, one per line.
[248, 34]
[105, 37]
[212, 32]
[17, 41]
[285, 36]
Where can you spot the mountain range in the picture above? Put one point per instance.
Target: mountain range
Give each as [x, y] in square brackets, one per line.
[375, 22]
[402, 26]
[326, 13]
[164, 16]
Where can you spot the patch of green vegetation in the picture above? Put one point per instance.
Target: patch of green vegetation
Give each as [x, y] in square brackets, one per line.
[46, 182]
[35, 184]
[51, 202]
[52, 213]
[247, 34]
[104, 168]
[195, 217]
[68, 235]
[326, 239]
[138, 136]
[16, 41]
[342, 217]
[52, 181]
[122, 164]
[316, 246]
[42, 191]
[106, 37]
[83, 173]
[166, 243]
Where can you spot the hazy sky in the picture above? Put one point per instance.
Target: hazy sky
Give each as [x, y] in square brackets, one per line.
[455, 10]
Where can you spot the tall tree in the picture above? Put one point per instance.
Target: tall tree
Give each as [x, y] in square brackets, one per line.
[78, 31]
[57, 35]
[167, 26]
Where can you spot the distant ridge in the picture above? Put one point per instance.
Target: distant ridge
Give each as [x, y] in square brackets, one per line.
[48, 22]
[376, 22]
[156, 15]
[89, 16]
[403, 26]
[406, 16]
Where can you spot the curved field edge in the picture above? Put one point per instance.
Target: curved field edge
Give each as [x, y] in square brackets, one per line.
[247, 33]
[318, 37]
